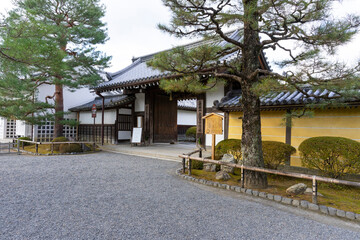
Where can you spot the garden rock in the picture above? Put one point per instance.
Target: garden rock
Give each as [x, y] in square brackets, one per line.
[296, 189]
[227, 158]
[221, 175]
[209, 167]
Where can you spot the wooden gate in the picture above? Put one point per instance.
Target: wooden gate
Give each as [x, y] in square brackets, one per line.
[165, 119]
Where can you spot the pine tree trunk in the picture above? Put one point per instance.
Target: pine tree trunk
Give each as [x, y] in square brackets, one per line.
[251, 140]
[251, 136]
[59, 109]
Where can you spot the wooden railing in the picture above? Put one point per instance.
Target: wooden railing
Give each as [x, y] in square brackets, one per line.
[314, 178]
[21, 142]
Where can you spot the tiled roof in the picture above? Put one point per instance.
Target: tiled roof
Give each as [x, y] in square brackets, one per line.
[110, 102]
[287, 98]
[123, 100]
[188, 104]
[139, 73]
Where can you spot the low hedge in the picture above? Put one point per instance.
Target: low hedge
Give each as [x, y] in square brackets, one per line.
[70, 148]
[333, 156]
[225, 146]
[59, 139]
[191, 132]
[275, 153]
[197, 165]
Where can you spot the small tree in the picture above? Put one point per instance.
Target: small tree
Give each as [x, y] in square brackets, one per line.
[307, 24]
[48, 42]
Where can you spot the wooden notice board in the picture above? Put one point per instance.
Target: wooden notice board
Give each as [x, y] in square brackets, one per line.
[213, 123]
[136, 135]
[213, 126]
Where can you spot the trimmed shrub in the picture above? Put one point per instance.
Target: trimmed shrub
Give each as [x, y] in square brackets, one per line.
[197, 165]
[70, 148]
[191, 132]
[59, 139]
[276, 153]
[225, 146]
[333, 156]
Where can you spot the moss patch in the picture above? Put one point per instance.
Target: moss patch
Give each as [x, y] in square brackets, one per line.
[46, 149]
[342, 197]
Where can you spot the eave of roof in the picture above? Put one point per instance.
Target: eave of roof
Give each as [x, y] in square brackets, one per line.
[111, 101]
[282, 100]
[139, 75]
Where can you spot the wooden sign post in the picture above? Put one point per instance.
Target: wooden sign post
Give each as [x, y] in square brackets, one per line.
[213, 125]
[93, 115]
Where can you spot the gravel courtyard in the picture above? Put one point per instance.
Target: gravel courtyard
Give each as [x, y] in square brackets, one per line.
[115, 196]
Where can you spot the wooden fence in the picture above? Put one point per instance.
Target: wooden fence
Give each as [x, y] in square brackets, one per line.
[86, 133]
[314, 178]
[20, 145]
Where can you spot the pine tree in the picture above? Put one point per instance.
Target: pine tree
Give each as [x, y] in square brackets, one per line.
[304, 29]
[49, 42]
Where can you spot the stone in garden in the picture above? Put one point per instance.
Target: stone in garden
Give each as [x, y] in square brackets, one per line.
[227, 158]
[308, 191]
[221, 175]
[209, 167]
[296, 189]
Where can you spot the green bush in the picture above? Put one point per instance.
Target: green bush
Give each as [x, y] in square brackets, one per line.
[70, 148]
[25, 143]
[276, 153]
[197, 165]
[191, 132]
[227, 145]
[333, 156]
[59, 139]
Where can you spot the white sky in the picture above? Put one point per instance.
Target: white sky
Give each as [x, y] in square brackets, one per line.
[133, 32]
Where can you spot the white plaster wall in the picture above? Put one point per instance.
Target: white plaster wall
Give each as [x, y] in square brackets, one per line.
[186, 117]
[109, 117]
[140, 102]
[71, 99]
[125, 111]
[20, 128]
[124, 135]
[218, 137]
[216, 93]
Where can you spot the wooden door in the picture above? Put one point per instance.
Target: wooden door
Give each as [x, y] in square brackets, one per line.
[165, 119]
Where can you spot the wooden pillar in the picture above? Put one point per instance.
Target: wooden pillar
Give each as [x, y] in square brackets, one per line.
[200, 123]
[226, 125]
[288, 133]
[77, 126]
[213, 147]
[117, 126]
[149, 117]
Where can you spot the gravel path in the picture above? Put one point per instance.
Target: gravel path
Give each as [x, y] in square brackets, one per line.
[114, 196]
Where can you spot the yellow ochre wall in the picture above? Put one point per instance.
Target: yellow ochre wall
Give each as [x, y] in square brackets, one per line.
[331, 122]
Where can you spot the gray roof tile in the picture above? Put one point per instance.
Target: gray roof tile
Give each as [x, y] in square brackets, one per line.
[138, 71]
[110, 102]
[232, 98]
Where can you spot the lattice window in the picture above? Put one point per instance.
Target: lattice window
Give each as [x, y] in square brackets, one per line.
[45, 132]
[10, 128]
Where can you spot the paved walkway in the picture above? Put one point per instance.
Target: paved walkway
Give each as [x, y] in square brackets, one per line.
[116, 196]
[158, 150]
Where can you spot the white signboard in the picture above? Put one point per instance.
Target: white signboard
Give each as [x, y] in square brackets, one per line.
[136, 135]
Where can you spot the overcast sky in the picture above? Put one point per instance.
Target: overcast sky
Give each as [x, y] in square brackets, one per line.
[133, 32]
